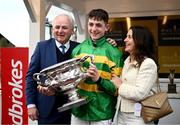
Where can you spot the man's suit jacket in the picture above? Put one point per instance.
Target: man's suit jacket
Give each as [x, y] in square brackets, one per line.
[43, 56]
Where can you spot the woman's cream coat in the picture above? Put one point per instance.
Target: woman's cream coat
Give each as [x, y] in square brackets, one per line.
[136, 82]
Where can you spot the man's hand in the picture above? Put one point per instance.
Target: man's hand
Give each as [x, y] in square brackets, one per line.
[46, 90]
[33, 113]
[93, 73]
[112, 41]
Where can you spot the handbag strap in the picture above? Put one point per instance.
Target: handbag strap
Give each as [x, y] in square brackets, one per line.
[157, 85]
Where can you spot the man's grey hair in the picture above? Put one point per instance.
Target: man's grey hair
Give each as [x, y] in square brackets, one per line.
[70, 18]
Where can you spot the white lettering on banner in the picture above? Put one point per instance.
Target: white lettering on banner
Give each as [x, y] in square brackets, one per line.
[16, 111]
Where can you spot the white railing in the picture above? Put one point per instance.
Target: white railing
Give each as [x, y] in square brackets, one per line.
[166, 80]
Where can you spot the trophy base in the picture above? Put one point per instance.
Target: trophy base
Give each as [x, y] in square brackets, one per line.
[72, 104]
[172, 88]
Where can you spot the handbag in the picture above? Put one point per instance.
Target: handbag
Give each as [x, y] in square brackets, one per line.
[155, 106]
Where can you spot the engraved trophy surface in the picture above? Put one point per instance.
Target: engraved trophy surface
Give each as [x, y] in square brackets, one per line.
[171, 86]
[64, 77]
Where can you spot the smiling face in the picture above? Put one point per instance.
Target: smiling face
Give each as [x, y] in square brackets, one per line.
[129, 43]
[96, 28]
[62, 28]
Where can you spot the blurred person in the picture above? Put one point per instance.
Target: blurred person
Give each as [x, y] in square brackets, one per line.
[100, 92]
[139, 74]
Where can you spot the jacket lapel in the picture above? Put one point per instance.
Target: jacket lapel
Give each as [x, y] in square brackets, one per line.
[51, 53]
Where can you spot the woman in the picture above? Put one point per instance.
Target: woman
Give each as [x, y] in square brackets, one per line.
[139, 74]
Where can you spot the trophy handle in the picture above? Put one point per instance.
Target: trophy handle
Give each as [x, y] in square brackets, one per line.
[36, 77]
[83, 59]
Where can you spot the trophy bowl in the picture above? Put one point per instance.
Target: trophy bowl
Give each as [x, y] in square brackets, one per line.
[64, 77]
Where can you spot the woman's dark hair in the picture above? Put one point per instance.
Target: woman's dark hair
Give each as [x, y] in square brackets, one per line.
[144, 44]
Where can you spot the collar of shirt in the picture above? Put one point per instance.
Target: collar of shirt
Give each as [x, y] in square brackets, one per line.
[67, 45]
[133, 64]
[98, 43]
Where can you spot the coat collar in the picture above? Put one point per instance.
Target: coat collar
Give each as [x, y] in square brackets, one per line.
[133, 64]
[98, 43]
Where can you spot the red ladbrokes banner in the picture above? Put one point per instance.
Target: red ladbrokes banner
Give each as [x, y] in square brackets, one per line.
[14, 64]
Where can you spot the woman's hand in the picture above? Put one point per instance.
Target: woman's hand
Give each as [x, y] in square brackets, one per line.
[116, 81]
[92, 72]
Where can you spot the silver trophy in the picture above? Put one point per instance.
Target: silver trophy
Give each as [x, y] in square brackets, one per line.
[171, 86]
[64, 77]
